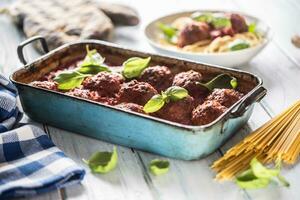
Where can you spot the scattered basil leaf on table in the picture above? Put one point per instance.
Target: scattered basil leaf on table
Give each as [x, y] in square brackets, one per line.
[167, 30]
[173, 93]
[203, 17]
[133, 67]
[69, 79]
[221, 81]
[159, 167]
[221, 22]
[258, 176]
[103, 162]
[238, 45]
[252, 28]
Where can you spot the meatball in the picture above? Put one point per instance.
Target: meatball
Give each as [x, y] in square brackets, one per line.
[207, 112]
[226, 97]
[92, 95]
[50, 85]
[160, 77]
[238, 23]
[131, 107]
[105, 83]
[136, 92]
[188, 80]
[192, 33]
[179, 111]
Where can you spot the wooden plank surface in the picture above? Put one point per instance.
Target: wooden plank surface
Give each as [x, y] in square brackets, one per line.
[278, 65]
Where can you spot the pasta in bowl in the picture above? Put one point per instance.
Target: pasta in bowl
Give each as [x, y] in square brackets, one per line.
[223, 38]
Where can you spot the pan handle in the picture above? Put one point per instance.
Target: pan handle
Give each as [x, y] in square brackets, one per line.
[28, 41]
[254, 96]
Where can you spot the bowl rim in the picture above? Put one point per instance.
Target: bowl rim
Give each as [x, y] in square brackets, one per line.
[268, 35]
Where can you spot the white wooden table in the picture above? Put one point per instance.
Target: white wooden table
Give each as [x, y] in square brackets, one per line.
[278, 65]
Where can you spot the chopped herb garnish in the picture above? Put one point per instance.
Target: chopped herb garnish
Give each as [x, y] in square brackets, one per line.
[238, 45]
[69, 79]
[203, 17]
[221, 22]
[252, 28]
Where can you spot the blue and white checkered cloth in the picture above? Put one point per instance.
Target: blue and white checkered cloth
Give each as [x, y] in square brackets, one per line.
[30, 163]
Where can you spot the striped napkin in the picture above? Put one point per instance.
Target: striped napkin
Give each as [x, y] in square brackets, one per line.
[30, 163]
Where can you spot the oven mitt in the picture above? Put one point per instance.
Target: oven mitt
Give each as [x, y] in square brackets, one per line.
[30, 163]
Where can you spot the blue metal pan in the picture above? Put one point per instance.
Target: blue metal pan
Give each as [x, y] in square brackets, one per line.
[124, 127]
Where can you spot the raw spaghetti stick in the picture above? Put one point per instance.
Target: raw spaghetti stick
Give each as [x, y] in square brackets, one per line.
[277, 139]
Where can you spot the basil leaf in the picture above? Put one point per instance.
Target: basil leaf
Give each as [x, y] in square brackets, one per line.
[238, 45]
[176, 93]
[221, 81]
[167, 30]
[252, 28]
[258, 176]
[93, 69]
[158, 167]
[69, 80]
[221, 22]
[203, 17]
[103, 162]
[92, 58]
[133, 67]
[261, 171]
[154, 104]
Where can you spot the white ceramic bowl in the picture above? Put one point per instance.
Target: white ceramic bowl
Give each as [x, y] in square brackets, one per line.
[227, 59]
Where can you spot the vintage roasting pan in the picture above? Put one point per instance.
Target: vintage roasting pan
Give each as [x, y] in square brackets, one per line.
[124, 127]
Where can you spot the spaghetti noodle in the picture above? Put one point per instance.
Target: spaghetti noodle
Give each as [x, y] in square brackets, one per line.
[277, 139]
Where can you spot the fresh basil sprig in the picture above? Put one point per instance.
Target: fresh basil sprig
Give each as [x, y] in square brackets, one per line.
[221, 22]
[203, 17]
[159, 167]
[173, 93]
[92, 64]
[252, 28]
[133, 67]
[221, 81]
[258, 176]
[69, 79]
[238, 45]
[167, 30]
[103, 162]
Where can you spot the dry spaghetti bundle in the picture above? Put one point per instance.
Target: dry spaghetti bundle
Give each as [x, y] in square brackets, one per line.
[279, 138]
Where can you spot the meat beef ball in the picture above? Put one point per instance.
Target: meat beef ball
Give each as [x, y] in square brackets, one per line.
[207, 112]
[92, 95]
[179, 111]
[193, 32]
[188, 80]
[131, 107]
[136, 92]
[238, 23]
[160, 77]
[105, 83]
[50, 85]
[226, 97]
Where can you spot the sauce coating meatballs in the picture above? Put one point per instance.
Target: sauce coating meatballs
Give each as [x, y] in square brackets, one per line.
[226, 97]
[50, 85]
[160, 77]
[136, 92]
[105, 83]
[238, 23]
[193, 32]
[179, 111]
[92, 95]
[188, 80]
[131, 107]
[207, 112]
